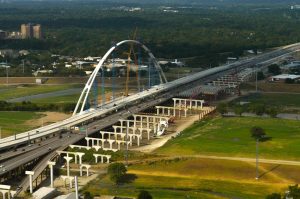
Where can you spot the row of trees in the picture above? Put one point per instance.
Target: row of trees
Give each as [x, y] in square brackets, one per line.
[117, 174]
[293, 192]
[257, 108]
[88, 30]
[29, 106]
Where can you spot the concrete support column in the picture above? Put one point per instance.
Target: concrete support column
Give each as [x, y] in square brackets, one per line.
[96, 158]
[147, 120]
[174, 110]
[138, 140]
[30, 173]
[80, 155]
[68, 159]
[87, 142]
[51, 164]
[75, 158]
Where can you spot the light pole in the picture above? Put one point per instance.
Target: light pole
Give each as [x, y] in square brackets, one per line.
[6, 75]
[127, 129]
[257, 157]
[23, 64]
[0, 133]
[86, 131]
[256, 78]
[126, 153]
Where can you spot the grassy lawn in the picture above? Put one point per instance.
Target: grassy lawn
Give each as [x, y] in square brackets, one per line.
[198, 178]
[25, 90]
[272, 99]
[14, 122]
[272, 87]
[59, 99]
[231, 137]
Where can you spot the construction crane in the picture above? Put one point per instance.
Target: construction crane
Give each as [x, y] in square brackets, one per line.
[131, 52]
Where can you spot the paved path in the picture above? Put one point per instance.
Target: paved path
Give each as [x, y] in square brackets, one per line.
[288, 116]
[47, 95]
[269, 161]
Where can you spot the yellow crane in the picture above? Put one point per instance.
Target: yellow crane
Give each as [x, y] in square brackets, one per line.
[131, 51]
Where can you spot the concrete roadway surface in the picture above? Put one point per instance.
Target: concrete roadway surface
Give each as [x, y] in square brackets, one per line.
[33, 151]
[92, 128]
[13, 159]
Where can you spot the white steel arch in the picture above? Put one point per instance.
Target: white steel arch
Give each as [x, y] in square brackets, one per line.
[85, 92]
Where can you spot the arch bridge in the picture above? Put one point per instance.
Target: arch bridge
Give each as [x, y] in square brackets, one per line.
[81, 104]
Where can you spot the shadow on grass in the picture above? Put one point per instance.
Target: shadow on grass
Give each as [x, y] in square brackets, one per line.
[128, 178]
[265, 139]
[272, 169]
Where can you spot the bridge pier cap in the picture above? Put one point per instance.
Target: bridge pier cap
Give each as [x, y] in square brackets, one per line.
[85, 92]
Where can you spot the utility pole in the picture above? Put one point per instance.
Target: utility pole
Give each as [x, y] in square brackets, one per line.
[256, 78]
[126, 154]
[257, 151]
[23, 66]
[0, 133]
[6, 74]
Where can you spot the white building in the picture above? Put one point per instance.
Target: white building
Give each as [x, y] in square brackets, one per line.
[283, 77]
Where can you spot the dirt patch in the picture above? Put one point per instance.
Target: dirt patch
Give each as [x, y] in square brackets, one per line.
[179, 126]
[47, 118]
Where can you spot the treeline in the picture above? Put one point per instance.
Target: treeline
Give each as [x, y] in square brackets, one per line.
[256, 108]
[90, 30]
[29, 106]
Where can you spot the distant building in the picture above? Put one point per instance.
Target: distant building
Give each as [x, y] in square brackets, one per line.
[283, 77]
[294, 7]
[37, 31]
[3, 34]
[30, 30]
[14, 35]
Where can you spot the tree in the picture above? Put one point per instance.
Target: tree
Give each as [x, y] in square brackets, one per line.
[274, 69]
[294, 192]
[274, 196]
[258, 109]
[238, 110]
[88, 195]
[289, 81]
[144, 195]
[258, 134]
[222, 108]
[260, 75]
[116, 171]
[272, 111]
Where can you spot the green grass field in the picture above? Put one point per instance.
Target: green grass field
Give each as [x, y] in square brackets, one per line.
[14, 122]
[231, 137]
[25, 90]
[59, 99]
[198, 178]
[272, 99]
[272, 87]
